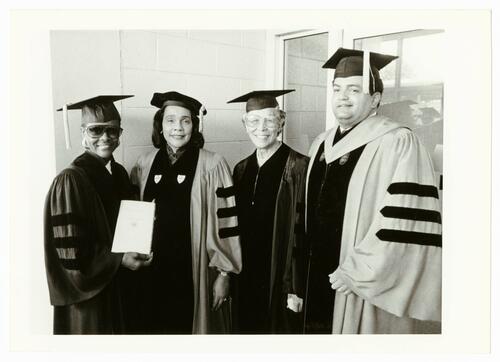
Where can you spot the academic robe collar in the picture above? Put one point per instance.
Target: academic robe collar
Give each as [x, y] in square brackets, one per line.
[185, 158]
[364, 132]
[280, 151]
[92, 160]
[95, 168]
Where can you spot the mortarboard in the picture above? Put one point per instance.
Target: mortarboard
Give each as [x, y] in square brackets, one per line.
[98, 109]
[401, 111]
[178, 99]
[352, 62]
[430, 112]
[261, 99]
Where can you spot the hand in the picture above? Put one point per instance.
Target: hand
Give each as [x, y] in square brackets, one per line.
[294, 303]
[220, 291]
[135, 261]
[338, 284]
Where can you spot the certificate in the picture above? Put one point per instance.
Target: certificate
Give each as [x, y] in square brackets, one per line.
[134, 227]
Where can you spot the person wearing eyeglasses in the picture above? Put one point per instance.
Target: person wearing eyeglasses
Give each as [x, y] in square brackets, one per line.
[81, 210]
[196, 242]
[269, 188]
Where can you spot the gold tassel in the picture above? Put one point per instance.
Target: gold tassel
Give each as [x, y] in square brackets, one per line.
[366, 72]
[66, 127]
[200, 117]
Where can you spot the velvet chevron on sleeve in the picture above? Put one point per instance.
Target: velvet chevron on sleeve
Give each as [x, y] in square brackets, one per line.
[79, 264]
[391, 245]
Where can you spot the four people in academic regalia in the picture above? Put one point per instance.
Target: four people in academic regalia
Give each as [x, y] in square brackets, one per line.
[269, 186]
[81, 210]
[196, 243]
[373, 215]
[348, 241]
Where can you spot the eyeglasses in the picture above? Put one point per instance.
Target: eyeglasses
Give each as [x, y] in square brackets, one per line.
[96, 131]
[253, 122]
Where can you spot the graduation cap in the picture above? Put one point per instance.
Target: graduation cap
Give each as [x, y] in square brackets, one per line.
[98, 109]
[430, 112]
[352, 62]
[178, 99]
[401, 111]
[261, 99]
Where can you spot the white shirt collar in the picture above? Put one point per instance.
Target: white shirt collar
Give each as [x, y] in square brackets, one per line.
[108, 167]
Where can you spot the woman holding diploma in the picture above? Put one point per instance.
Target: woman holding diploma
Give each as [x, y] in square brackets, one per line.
[81, 209]
[196, 245]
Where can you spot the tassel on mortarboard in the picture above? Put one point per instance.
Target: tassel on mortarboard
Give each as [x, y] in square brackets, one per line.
[66, 127]
[366, 72]
[353, 62]
[200, 116]
[98, 109]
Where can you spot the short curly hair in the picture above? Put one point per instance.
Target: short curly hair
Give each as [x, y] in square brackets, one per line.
[158, 140]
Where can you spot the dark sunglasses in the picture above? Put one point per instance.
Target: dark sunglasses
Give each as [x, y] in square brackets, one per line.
[96, 131]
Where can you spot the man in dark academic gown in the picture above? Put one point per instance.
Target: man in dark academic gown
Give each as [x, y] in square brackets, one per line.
[269, 187]
[81, 210]
[373, 215]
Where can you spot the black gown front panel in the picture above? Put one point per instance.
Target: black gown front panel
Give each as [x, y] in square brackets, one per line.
[256, 199]
[327, 194]
[111, 188]
[165, 292]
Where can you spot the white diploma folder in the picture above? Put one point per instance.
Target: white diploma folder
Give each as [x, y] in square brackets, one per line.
[134, 227]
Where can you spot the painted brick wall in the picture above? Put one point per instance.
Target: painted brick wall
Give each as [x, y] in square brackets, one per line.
[212, 66]
[306, 106]
[84, 64]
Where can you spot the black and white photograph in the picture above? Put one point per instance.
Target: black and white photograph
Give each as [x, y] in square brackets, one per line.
[228, 175]
[276, 186]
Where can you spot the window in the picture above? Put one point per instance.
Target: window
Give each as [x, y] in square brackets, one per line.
[413, 83]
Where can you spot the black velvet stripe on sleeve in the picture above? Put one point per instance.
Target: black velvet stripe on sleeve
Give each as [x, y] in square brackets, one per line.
[409, 237]
[65, 219]
[70, 264]
[66, 242]
[225, 192]
[229, 232]
[410, 188]
[227, 212]
[411, 214]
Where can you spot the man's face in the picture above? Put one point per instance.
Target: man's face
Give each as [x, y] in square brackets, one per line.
[102, 138]
[350, 104]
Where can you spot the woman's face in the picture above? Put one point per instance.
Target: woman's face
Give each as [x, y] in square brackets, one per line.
[102, 138]
[177, 126]
[263, 127]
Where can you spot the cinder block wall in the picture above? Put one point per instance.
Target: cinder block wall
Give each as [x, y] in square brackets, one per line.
[306, 106]
[212, 66]
[84, 64]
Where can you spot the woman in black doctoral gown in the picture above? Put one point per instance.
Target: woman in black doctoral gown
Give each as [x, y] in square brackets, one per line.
[269, 194]
[195, 250]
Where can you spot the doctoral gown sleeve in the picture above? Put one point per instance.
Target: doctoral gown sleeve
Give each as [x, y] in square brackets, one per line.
[136, 179]
[140, 172]
[223, 241]
[78, 257]
[294, 274]
[396, 266]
